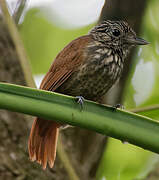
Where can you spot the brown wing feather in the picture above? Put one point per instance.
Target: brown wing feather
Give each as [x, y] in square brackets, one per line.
[65, 64]
[55, 80]
[43, 136]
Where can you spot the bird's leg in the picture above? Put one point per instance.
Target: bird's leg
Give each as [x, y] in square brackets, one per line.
[80, 100]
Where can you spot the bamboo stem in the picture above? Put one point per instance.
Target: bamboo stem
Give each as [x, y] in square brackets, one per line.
[120, 124]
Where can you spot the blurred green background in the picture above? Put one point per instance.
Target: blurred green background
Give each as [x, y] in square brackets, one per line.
[45, 33]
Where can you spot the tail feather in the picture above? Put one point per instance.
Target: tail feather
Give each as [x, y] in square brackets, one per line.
[43, 141]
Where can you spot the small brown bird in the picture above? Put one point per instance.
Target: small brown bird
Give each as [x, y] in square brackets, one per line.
[86, 67]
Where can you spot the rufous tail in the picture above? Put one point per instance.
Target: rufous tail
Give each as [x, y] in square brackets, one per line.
[43, 141]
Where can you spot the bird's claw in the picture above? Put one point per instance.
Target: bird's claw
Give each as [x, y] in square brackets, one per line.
[80, 100]
[117, 106]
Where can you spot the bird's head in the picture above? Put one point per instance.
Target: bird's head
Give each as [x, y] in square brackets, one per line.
[116, 34]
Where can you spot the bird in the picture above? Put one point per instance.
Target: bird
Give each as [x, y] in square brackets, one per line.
[87, 67]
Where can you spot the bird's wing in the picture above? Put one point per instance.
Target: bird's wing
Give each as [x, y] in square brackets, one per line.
[65, 63]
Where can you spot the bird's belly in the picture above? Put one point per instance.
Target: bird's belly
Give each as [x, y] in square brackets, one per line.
[91, 82]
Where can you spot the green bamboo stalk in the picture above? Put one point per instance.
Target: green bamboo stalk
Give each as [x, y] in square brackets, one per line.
[120, 124]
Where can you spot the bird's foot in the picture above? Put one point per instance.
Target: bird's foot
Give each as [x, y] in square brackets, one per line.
[118, 106]
[80, 100]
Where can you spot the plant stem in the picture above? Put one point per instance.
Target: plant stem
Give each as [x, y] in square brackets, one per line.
[18, 44]
[19, 10]
[147, 108]
[116, 123]
[64, 159]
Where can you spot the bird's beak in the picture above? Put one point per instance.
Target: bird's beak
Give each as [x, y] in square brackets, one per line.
[136, 41]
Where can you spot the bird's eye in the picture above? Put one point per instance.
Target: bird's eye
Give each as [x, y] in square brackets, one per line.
[116, 32]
